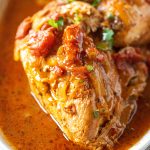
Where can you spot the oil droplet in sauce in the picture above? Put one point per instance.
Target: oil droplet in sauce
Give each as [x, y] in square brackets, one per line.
[22, 121]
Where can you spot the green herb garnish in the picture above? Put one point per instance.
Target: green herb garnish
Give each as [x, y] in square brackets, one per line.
[81, 81]
[53, 23]
[102, 46]
[89, 68]
[60, 22]
[110, 16]
[108, 34]
[96, 2]
[77, 18]
[107, 40]
[69, 1]
[56, 23]
[96, 113]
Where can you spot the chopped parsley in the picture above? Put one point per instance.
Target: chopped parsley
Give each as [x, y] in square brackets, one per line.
[96, 2]
[77, 18]
[108, 34]
[60, 22]
[89, 68]
[110, 16]
[102, 46]
[69, 1]
[96, 113]
[56, 23]
[107, 40]
[52, 23]
[81, 81]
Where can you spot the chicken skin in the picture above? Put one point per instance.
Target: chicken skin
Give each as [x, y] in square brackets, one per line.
[80, 86]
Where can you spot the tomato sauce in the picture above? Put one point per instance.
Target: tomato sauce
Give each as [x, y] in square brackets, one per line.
[22, 121]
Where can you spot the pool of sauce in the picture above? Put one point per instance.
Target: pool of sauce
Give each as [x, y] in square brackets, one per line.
[22, 121]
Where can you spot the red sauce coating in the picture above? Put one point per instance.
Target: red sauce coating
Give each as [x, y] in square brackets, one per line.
[72, 45]
[41, 42]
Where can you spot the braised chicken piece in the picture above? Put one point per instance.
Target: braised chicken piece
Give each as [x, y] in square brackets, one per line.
[81, 86]
[130, 19]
